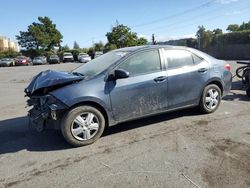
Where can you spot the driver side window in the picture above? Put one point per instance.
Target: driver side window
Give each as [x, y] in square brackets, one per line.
[142, 63]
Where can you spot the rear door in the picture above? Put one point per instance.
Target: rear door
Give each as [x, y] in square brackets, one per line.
[187, 74]
[144, 91]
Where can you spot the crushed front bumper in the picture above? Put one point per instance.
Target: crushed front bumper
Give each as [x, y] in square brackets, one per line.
[47, 112]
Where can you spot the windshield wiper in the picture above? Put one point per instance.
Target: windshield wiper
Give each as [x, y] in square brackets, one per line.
[78, 74]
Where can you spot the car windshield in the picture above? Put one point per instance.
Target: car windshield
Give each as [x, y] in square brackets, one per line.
[20, 57]
[53, 56]
[37, 58]
[67, 54]
[98, 65]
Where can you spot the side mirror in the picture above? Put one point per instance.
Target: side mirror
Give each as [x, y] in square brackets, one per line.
[120, 74]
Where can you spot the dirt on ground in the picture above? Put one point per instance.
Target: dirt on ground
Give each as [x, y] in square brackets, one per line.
[178, 149]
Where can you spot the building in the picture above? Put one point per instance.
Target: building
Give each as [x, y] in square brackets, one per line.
[7, 44]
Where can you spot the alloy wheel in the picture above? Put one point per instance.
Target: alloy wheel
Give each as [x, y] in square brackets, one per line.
[85, 126]
[212, 99]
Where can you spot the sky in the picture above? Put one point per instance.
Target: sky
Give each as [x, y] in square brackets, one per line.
[87, 21]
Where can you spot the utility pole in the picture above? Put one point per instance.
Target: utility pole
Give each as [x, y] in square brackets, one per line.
[199, 41]
[153, 39]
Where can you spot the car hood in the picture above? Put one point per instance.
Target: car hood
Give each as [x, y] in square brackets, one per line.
[49, 80]
[37, 60]
[5, 61]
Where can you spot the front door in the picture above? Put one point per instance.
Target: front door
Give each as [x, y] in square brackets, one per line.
[144, 92]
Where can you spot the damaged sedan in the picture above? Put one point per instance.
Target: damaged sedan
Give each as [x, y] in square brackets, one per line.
[123, 85]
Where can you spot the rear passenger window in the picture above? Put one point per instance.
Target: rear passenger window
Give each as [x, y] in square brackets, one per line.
[197, 59]
[178, 58]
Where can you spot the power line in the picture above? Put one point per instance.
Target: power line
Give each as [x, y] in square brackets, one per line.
[193, 23]
[204, 5]
[197, 8]
[170, 25]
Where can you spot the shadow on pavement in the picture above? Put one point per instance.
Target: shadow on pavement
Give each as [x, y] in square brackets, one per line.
[15, 135]
[238, 92]
[122, 127]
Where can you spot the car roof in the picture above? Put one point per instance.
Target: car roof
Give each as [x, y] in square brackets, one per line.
[136, 48]
[168, 47]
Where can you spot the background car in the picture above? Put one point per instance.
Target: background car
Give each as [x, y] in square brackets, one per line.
[81, 54]
[22, 60]
[84, 58]
[7, 62]
[40, 60]
[68, 57]
[54, 59]
[127, 84]
[98, 53]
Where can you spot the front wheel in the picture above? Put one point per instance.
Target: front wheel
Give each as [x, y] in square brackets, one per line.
[210, 99]
[83, 125]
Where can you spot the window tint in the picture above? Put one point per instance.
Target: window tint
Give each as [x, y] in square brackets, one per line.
[142, 63]
[197, 59]
[179, 58]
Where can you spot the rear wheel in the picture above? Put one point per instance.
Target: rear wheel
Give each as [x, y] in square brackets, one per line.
[83, 125]
[210, 99]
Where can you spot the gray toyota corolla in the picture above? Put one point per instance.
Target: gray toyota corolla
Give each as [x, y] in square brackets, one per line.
[125, 84]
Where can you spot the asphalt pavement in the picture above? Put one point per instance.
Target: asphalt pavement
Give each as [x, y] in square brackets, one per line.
[177, 149]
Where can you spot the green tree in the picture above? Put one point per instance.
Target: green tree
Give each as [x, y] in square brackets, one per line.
[245, 26]
[142, 41]
[122, 36]
[9, 54]
[65, 48]
[217, 31]
[27, 40]
[191, 42]
[109, 47]
[98, 46]
[42, 35]
[76, 45]
[233, 27]
[85, 50]
[215, 34]
[204, 37]
[91, 52]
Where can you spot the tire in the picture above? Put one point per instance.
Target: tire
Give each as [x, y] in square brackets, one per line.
[248, 91]
[78, 130]
[210, 99]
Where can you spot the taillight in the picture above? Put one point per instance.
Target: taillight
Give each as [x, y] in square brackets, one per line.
[227, 66]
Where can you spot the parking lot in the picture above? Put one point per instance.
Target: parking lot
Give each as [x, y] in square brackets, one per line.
[177, 149]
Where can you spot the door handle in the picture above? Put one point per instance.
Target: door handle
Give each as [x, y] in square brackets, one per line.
[202, 70]
[160, 79]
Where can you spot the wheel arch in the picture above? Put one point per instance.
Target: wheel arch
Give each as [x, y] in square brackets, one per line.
[215, 81]
[218, 83]
[97, 106]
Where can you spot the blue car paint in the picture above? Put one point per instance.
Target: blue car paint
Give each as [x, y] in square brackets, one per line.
[50, 78]
[140, 96]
